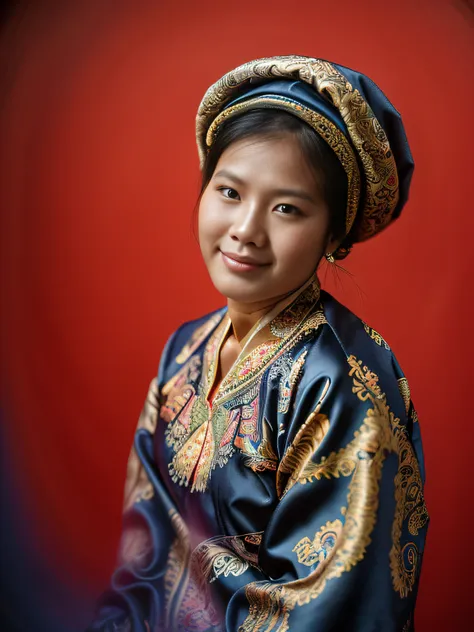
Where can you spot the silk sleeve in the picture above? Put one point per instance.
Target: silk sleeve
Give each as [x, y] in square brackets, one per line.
[133, 601]
[343, 548]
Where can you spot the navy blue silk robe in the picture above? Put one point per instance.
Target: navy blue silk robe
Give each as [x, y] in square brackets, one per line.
[292, 499]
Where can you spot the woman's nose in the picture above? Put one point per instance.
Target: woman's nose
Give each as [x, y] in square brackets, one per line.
[248, 226]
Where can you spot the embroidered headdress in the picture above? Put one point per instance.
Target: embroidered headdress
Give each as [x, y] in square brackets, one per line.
[345, 108]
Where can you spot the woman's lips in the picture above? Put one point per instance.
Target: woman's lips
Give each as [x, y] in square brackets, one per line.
[237, 263]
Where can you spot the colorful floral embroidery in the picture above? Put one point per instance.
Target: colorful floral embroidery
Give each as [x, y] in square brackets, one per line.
[204, 436]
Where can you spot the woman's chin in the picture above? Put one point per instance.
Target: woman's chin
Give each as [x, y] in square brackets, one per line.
[242, 292]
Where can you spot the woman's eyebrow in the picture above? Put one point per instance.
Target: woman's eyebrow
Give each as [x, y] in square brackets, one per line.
[295, 193]
[280, 192]
[228, 174]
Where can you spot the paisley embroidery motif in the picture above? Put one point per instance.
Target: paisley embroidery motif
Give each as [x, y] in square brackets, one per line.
[189, 574]
[227, 555]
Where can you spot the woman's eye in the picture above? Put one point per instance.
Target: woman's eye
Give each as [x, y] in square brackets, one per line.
[287, 209]
[228, 192]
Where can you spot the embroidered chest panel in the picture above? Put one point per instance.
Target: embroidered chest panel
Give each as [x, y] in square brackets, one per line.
[204, 435]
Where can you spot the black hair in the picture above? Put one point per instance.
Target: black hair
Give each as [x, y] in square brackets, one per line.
[328, 170]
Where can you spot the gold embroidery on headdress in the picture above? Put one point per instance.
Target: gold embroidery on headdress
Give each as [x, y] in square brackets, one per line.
[368, 137]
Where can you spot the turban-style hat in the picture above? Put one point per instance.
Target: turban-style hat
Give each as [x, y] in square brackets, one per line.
[345, 108]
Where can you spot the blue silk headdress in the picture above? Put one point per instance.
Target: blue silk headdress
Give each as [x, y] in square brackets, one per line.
[345, 108]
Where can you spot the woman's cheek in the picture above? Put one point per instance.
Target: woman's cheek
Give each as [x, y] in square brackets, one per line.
[216, 220]
[301, 250]
[208, 222]
[293, 245]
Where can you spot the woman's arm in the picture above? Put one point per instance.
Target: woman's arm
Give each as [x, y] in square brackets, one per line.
[133, 601]
[343, 548]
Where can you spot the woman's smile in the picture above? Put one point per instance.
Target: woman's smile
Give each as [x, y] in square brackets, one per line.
[240, 263]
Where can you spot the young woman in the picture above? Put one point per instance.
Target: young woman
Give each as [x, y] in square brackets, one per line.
[276, 478]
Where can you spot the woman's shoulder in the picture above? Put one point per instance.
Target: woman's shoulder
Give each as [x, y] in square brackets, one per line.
[364, 369]
[356, 348]
[350, 331]
[186, 340]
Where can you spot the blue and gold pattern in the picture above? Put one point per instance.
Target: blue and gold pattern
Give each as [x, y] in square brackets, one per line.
[291, 500]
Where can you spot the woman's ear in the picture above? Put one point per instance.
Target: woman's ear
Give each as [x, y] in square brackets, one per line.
[332, 244]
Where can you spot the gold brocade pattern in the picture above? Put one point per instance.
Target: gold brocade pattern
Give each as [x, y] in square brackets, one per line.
[376, 337]
[294, 323]
[340, 544]
[315, 553]
[299, 454]
[268, 611]
[404, 389]
[411, 512]
[246, 370]
[368, 137]
[285, 323]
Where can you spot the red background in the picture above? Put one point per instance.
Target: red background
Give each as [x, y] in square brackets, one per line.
[99, 179]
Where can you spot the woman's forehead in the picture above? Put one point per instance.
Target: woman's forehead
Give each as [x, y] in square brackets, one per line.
[258, 158]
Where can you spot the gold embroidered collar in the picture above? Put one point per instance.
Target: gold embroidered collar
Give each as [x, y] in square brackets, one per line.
[269, 336]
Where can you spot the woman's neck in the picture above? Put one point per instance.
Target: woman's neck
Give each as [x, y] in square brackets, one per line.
[244, 316]
[243, 320]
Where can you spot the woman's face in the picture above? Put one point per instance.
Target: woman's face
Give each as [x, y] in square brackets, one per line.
[263, 224]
